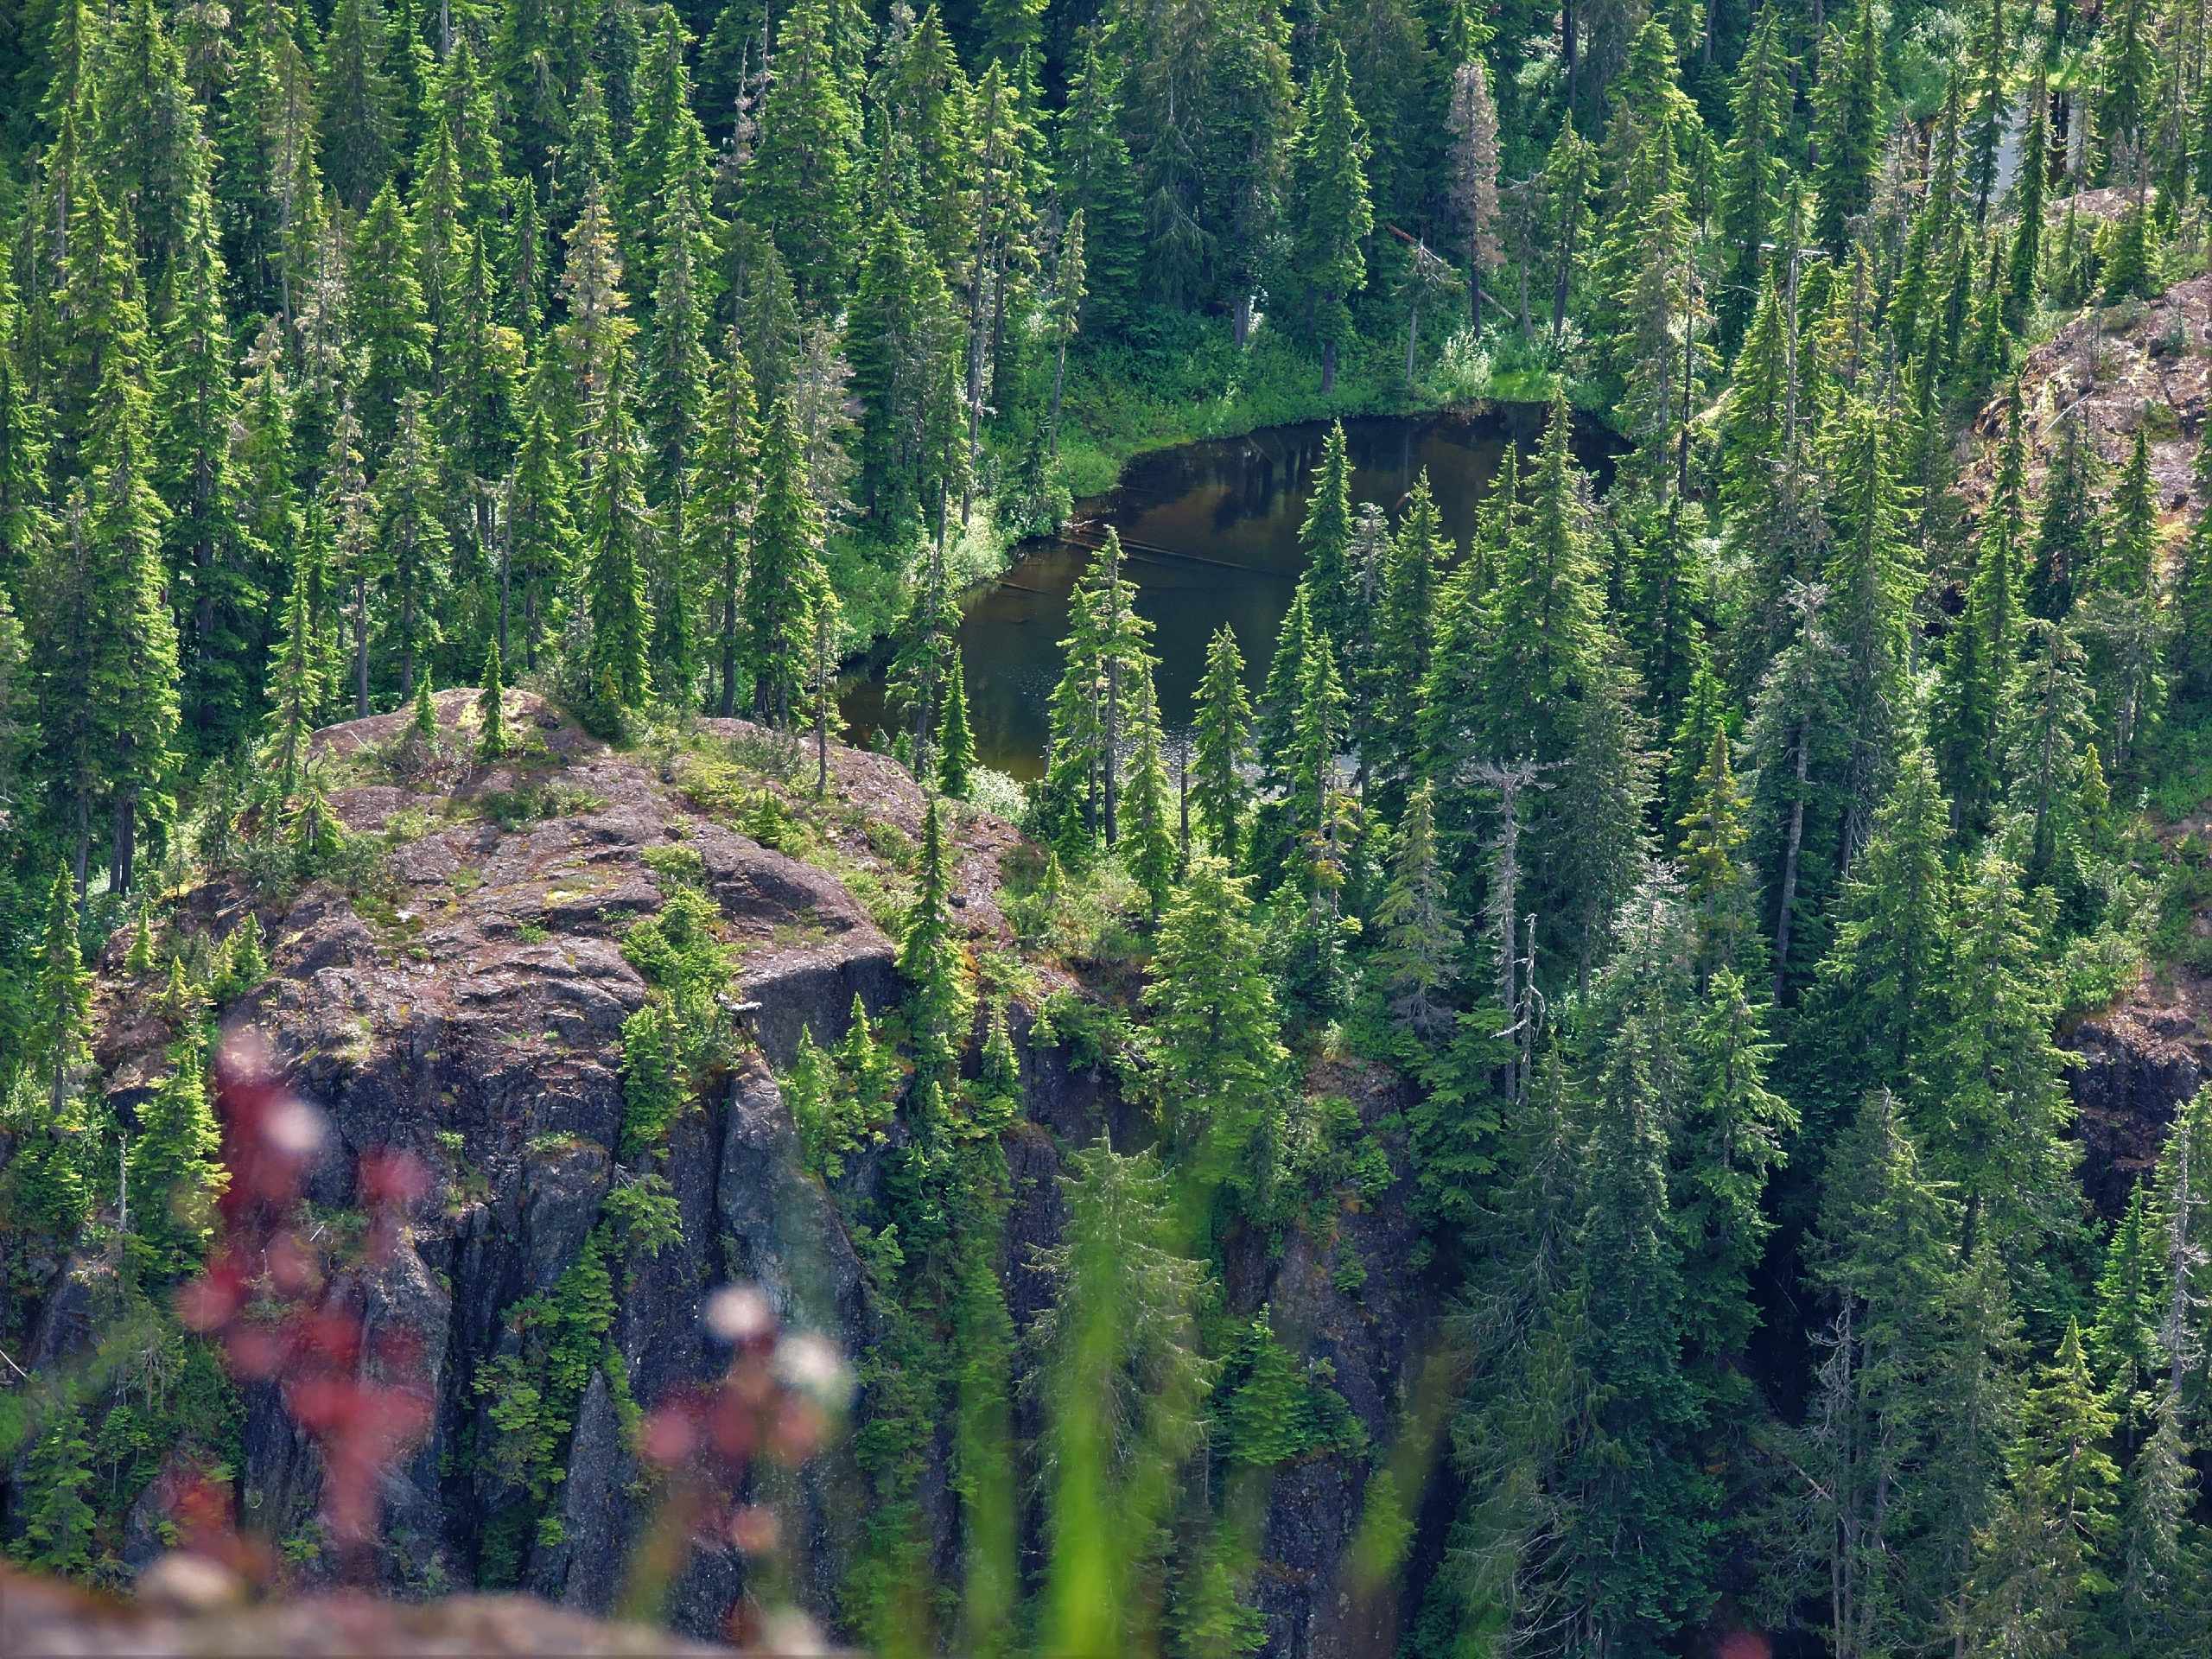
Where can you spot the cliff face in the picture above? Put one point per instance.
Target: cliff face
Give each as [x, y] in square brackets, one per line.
[2132, 1069]
[465, 1004]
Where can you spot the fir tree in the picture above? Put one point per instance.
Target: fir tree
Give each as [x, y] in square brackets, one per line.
[1148, 839]
[1332, 213]
[956, 763]
[801, 182]
[296, 688]
[1852, 111]
[57, 1525]
[386, 315]
[617, 666]
[1325, 538]
[540, 541]
[1420, 935]
[1981, 665]
[786, 548]
[360, 105]
[414, 551]
[1222, 745]
[934, 963]
[1753, 170]
[493, 741]
[174, 1174]
[1220, 1061]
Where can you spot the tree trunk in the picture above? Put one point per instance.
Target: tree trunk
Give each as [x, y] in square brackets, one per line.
[728, 703]
[1328, 367]
[1412, 340]
[1052, 421]
[1789, 864]
[360, 649]
[122, 849]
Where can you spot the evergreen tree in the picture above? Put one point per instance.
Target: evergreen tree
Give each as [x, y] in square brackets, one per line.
[1874, 1006]
[57, 1525]
[801, 182]
[1219, 1061]
[2120, 610]
[955, 762]
[1222, 745]
[1420, 935]
[494, 742]
[2043, 1556]
[385, 316]
[1981, 666]
[105, 672]
[360, 104]
[722, 504]
[1851, 101]
[413, 549]
[174, 1173]
[2023, 268]
[541, 542]
[1325, 538]
[1473, 119]
[934, 963]
[296, 691]
[1148, 839]
[1992, 112]
[785, 547]
[1332, 215]
[617, 669]
[1098, 182]
[2067, 530]
[1405, 640]
[1754, 169]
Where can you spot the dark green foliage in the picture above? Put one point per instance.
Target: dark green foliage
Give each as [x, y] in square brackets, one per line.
[1664, 906]
[55, 1532]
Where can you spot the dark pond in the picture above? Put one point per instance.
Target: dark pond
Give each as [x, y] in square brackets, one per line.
[1211, 534]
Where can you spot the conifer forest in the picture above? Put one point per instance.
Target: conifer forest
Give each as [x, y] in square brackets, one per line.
[1626, 1072]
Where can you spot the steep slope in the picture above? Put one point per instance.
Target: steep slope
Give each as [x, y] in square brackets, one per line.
[459, 993]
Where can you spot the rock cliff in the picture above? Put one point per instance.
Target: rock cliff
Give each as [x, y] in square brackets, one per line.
[460, 997]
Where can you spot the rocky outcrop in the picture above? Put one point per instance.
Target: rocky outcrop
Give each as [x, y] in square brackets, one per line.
[460, 997]
[2131, 1071]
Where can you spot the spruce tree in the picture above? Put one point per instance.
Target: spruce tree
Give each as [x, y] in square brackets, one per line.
[414, 551]
[174, 1173]
[1405, 638]
[296, 688]
[722, 505]
[541, 542]
[1851, 104]
[1326, 538]
[1222, 745]
[933, 961]
[493, 741]
[58, 1522]
[1332, 214]
[801, 182]
[386, 316]
[360, 104]
[956, 763]
[785, 547]
[1220, 1062]
[1420, 934]
[1754, 168]
[617, 669]
[1148, 835]
[1981, 665]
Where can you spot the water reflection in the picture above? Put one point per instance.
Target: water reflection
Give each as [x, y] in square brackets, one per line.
[1211, 532]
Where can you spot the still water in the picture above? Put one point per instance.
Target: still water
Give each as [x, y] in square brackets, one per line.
[1211, 531]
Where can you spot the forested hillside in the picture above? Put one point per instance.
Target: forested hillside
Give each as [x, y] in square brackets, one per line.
[1628, 1084]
